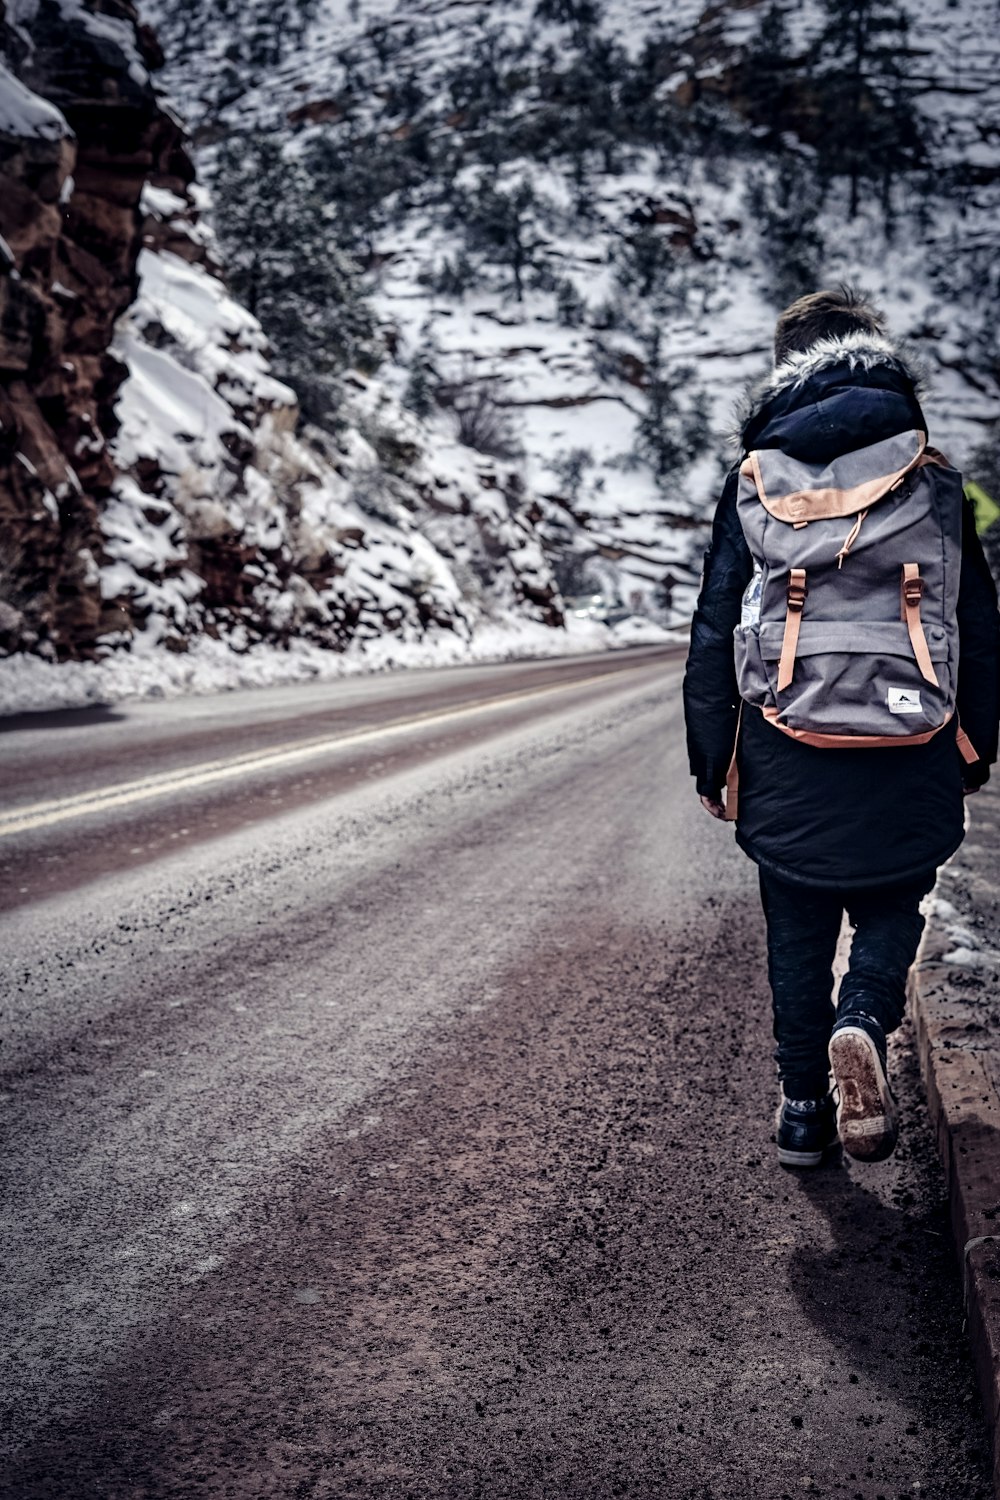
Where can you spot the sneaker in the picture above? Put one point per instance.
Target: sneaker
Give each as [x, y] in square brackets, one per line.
[867, 1119]
[806, 1128]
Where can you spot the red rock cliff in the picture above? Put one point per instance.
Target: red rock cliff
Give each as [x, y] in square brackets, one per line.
[80, 131]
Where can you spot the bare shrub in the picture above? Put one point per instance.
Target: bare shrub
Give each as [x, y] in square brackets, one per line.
[482, 421]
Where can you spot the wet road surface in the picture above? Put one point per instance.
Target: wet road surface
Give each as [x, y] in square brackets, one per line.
[411, 1136]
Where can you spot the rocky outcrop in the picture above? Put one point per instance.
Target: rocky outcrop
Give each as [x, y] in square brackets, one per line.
[81, 129]
[153, 482]
[226, 520]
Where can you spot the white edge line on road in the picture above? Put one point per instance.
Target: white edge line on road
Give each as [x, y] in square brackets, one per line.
[43, 814]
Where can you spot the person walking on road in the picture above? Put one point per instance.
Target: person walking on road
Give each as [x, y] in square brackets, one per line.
[842, 695]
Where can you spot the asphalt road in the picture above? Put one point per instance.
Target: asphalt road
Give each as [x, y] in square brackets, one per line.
[388, 1104]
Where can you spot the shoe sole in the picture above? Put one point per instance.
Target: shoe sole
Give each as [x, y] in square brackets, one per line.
[788, 1158]
[867, 1120]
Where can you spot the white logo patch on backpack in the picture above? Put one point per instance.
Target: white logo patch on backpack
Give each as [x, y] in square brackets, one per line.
[903, 701]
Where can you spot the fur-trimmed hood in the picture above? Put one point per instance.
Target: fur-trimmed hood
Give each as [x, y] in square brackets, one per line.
[862, 351]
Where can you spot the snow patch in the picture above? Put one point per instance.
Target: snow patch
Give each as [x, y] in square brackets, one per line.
[26, 115]
[29, 685]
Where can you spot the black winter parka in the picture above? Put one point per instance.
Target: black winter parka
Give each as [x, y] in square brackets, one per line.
[833, 817]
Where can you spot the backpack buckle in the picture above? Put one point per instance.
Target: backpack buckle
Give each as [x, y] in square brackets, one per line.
[913, 591]
[797, 590]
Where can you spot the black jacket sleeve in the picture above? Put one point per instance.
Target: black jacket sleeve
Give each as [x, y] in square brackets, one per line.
[979, 653]
[711, 699]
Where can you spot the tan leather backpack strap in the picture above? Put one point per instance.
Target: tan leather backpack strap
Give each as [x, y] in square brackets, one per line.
[966, 748]
[733, 775]
[793, 619]
[932, 456]
[913, 591]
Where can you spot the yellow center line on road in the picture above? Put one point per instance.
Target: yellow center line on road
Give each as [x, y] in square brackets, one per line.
[58, 810]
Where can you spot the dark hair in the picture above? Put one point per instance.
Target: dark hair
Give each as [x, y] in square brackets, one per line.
[822, 315]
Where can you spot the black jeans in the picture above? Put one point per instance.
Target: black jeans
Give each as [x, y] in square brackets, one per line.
[803, 925]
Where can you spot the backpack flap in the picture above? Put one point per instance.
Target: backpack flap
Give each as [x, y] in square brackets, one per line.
[798, 493]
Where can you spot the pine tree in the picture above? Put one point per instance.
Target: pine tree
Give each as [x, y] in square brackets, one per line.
[284, 262]
[647, 260]
[769, 76]
[423, 379]
[647, 115]
[582, 15]
[667, 437]
[360, 171]
[501, 222]
[571, 307]
[869, 129]
[785, 202]
[570, 468]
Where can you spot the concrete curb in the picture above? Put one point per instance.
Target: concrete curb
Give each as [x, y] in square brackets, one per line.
[960, 1062]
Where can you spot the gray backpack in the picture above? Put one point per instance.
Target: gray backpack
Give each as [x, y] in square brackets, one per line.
[848, 635]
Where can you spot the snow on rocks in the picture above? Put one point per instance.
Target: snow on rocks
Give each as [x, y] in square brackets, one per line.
[967, 949]
[25, 115]
[227, 519]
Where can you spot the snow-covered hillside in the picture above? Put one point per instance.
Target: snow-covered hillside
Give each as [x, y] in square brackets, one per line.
[651, 268]
[566, 354]
[516, 261]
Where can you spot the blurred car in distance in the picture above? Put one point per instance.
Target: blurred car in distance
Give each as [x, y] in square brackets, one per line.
[597, 607]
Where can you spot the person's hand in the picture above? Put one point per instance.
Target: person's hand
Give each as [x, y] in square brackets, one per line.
[714, 807]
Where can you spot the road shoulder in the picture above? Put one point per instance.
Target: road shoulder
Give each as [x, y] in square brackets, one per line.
[956, 1007]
